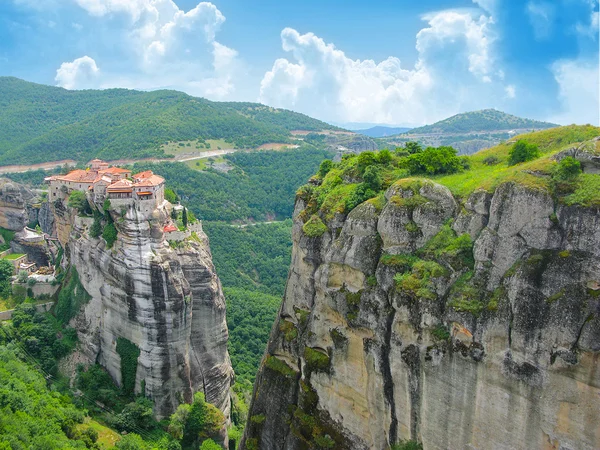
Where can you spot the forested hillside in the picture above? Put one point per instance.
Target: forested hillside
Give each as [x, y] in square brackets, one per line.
[39, 123]
[261, 186]
[484, 120]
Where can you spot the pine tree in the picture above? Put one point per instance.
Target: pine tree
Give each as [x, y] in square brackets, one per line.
[184, 217]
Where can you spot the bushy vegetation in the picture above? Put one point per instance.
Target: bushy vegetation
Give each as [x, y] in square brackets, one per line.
[40, 335]
[71, 297]
[96, 228]
[195, 423]
[407, 445]
[358, 178]
[78, 200]
[278, 365]
[40, 120]
[522, 151]
[110, 234]
[32, 416]
[314, 227]
[535, 174]
[6, 273]
[7, 237]
[316, 360]
[129, 353]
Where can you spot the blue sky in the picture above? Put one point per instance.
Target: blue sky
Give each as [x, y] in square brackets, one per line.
[344, 61]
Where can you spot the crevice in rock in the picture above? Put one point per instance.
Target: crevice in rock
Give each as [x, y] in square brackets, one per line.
[510, 324]
[411, 356]
[575, 345]
[388, 381]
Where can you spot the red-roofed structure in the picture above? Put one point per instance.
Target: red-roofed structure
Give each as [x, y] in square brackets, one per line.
[101, 181]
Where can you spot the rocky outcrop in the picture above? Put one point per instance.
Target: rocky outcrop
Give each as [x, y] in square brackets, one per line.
[459, 326]
[587, 153]
[45, 218]
[14, 199]
[163, 297]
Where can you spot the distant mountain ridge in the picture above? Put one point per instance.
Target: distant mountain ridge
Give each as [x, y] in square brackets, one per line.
[485, 120]
[40, 123]
[382, 131]
[467, 132]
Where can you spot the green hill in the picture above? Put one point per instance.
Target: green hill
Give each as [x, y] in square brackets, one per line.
[41, 123]
[484, 120]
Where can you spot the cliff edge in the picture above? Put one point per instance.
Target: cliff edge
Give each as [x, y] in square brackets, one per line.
[458, 322]
[156, 290]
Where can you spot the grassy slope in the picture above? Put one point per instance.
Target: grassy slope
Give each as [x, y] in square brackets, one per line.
[341, 182]
[482, 176]
[40, 123]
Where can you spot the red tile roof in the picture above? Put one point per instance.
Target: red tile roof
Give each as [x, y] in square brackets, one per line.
[114, 170]
[143, 175]
[79, 176]
[169, 228]
[121, 186]
[151, 181]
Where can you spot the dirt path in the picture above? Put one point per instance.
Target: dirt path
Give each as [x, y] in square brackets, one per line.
[44, 166]
[245, 225]
[53, 164]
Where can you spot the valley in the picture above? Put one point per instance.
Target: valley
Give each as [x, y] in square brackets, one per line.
[399, 272]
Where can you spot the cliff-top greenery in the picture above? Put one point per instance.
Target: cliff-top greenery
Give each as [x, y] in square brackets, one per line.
[526, 160]
[37, 121]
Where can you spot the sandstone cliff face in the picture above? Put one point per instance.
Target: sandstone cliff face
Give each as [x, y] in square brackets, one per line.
[494, 346]
[167, 301]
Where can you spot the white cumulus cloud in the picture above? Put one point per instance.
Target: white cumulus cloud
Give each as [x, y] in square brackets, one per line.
[168, 47]
[81, 73]
[455, 71]
[579, 92]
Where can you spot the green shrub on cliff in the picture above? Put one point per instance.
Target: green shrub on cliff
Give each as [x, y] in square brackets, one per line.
[407, 445]
[6, 272]
[71, 297]
[195, 423]
[417, 282]
[567, 169]
[446, 245]
[129, 353]
[314, 227]
[109, 234]
[522, 151]
[96, 228]
[435, 161]
[277, 365]
[316, 360]
[587, 191]
[78, 201]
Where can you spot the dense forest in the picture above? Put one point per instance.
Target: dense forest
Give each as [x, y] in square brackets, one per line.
[254, 257]
[37, 121]
[261, 186]
[252, 263]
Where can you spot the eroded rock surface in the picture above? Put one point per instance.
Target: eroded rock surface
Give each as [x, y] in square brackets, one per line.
[14, 199]
[166, 299]
[499, 347]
